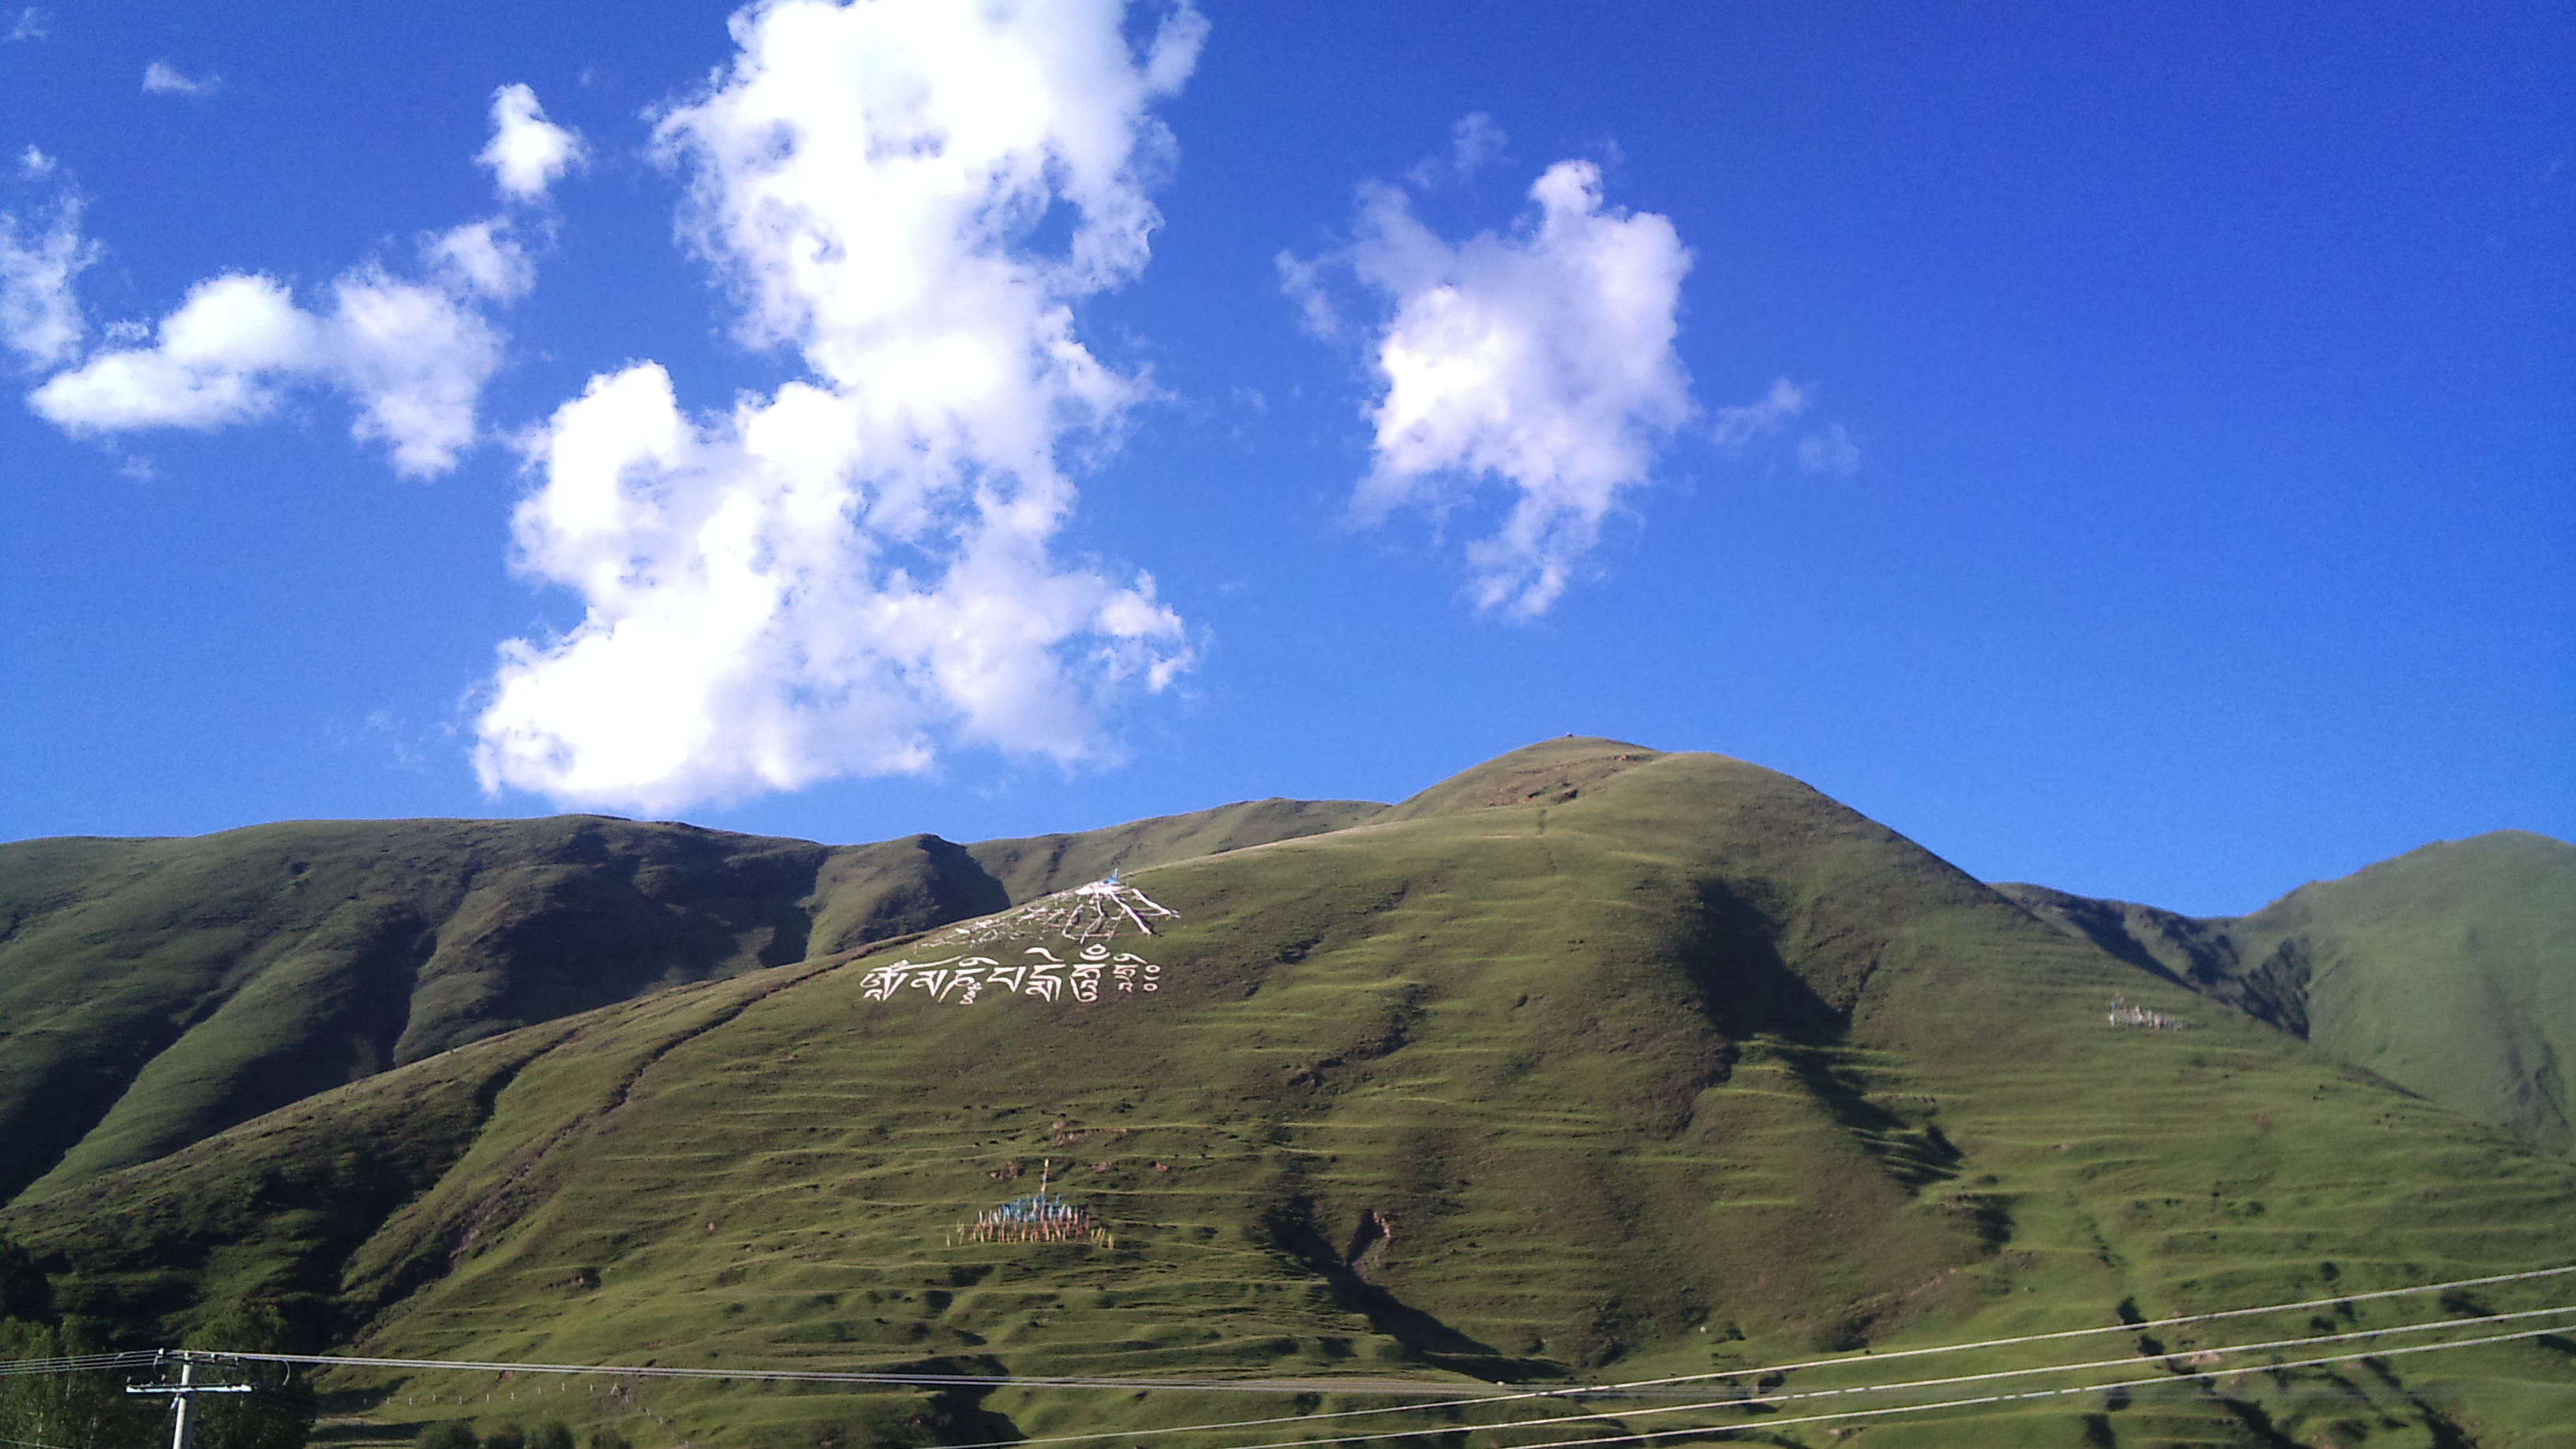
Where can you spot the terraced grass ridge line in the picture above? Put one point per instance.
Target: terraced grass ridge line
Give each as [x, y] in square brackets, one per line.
[1591, 1066]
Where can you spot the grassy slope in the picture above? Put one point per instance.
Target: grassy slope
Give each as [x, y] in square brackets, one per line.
[1675, 1066]
[1027, 869]
[2450, 970]
[155, 991]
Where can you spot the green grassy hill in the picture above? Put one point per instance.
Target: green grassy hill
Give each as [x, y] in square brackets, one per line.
[2450, 971]
[155, 991]
[1589, 1064]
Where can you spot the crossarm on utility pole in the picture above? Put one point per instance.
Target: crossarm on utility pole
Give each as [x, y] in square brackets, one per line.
[183, 1393]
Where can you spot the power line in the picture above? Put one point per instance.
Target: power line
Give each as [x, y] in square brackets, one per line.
[1242, 1385]
[2106, 1328]
[1758, 1371]
[78, 1363]
[838, 1376]
[1765, 1400]
[106, 1361]
[134, 1358]
[2165, 1379]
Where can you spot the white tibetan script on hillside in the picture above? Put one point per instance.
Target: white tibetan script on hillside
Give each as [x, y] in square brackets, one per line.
[1083, 923]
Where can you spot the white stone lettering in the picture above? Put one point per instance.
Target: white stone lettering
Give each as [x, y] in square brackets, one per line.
[1088, 920]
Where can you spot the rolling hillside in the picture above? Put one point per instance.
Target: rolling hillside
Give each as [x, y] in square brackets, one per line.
[1589, 1064]
[155, 991]
[2450, 970]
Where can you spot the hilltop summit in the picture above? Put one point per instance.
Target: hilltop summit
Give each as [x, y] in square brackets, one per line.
[1590, 1062]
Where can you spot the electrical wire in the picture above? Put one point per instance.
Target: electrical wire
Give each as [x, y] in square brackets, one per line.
[837, 1376]
[1766, 1425]
[1242, 1385]
[1766, 1400]
[1760, 1371]
[99, 1362]
[2068, 1333]
[79, 1363]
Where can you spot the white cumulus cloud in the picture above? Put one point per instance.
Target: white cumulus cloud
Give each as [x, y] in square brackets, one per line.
[407, 355]
[847, 574]
[40, 319]
[216, 361]
[29, 23]
[161, 78]
[414, 358]
[1541, 358]
[528, 151]
[411, 355]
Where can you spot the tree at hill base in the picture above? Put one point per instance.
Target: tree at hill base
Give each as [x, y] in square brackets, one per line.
[279, 1414]
[26, 1294]
[90, 1410]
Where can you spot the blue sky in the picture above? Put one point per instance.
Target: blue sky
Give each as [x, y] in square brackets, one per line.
[2126, 448]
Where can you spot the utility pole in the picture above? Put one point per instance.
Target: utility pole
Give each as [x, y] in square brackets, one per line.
[185, 1390]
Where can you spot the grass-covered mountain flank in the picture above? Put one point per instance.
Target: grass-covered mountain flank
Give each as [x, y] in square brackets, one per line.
[1590, 1063]
[2450, 971]
[155, 991]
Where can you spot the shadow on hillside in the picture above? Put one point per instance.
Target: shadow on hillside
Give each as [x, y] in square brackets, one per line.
[1288, 1223]
[1746, 987]
[961, 1416]
[1752, 993]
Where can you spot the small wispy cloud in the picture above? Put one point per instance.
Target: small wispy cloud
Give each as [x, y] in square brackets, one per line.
[1474, 143]
[35, 165]
[1303, 282]
[387, 734]
[29, 23]
[1831, 453]
[1738, 425]
[1475, 140]
[1828, 451]
[483, 256]
[161, 78]
[40, 318]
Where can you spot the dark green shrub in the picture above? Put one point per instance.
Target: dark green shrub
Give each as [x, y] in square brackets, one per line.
[88, 1409]
[25, 1293]
[279, 1414]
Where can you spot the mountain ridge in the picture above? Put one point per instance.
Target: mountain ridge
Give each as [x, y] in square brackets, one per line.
[214, 978]
[2450, 970]
[1589, 1066]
